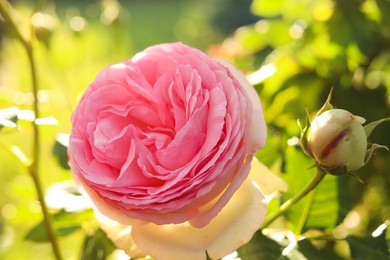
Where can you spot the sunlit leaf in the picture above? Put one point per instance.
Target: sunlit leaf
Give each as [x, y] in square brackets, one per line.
[8, 117]
[49, 120]
[65, 195]
[96, 246]
[65, 223]
[27, 115]
[7, 123]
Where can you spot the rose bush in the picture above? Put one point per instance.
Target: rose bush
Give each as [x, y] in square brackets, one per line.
[165, 140]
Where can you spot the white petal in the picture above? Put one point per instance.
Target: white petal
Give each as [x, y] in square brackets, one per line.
[267, 180]
[233, 227]
[120, 235]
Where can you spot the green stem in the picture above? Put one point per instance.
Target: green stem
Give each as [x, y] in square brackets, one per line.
[313, 183]
[34, 167]
[305, 213]
[6, 14]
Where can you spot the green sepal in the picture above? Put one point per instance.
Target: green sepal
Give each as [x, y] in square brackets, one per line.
[304, 141]
[357, 178]
[312, 167]
[327, 105]
[371, 126]
[336, 171]
[306, 130]
[372, 149]
[340, 171]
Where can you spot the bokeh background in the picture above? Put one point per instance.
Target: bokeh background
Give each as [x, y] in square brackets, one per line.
[293, 52]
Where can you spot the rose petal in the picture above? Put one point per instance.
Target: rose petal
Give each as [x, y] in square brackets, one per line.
[265, 178]
[119, 234]
[259, 129]
[233, 227]
[204, 217]
[99, 204]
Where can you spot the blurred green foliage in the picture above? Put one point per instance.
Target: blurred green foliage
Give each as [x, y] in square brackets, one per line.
[294, 52]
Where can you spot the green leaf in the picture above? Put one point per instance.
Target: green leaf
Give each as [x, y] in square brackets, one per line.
[65, 222]
[261, 247]
[60, 150]
[96, 246]
[369, 247]
[319, 209]
[371, 126]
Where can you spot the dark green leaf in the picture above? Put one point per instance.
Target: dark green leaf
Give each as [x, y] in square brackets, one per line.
[369, 247]
[96, 246]
[60, 150]
[261, 247]
[308, 249]
[65, 222]
[325, 252]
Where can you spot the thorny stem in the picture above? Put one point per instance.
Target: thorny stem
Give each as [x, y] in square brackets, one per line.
[34, 166]
[314, 182]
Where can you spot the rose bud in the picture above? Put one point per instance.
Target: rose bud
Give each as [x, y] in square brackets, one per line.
[337, 139]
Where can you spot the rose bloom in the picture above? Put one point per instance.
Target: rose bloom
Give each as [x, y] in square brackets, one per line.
[162, 144]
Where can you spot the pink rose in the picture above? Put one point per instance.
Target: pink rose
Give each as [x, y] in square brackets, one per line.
[168, 137]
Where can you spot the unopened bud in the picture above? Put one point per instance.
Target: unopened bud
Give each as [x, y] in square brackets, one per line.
[337, 139]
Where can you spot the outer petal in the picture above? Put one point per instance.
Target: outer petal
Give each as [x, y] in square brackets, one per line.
[233, 227]
[267, 180]
[207, 213]
[120, 235]
[104, 207]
